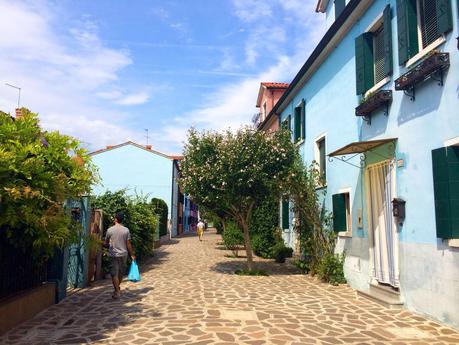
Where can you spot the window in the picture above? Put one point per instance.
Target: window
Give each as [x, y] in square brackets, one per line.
[342, 213]
[285, 213]
[263, 116]
[445, 167]
[339, 7]
[299, 122]
[421, 23]
[286, 123]
[373, 54]
[321, 160]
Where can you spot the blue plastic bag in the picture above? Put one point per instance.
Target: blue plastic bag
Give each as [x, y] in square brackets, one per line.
[134, 275]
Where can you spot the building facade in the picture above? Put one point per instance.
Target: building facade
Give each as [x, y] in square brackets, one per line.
[140, 171]
[268, 95]
[387, 145]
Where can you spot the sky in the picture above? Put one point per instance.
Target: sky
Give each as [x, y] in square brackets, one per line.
[104, 71]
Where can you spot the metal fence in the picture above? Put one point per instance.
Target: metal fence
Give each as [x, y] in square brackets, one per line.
[19, 270]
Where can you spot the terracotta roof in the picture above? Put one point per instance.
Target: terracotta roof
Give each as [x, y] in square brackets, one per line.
[178, 158]
[272, 85]
[112, 147]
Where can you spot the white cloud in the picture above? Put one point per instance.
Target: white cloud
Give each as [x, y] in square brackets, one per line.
[60, 74]
[252, 10]
[134, 98]
[233, 105]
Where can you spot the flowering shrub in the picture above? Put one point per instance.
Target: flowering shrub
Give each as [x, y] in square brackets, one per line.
[38, 172]
[232, 172]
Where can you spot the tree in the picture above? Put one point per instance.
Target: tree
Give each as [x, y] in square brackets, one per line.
[161, 210]
[38, 172]
[232, 172]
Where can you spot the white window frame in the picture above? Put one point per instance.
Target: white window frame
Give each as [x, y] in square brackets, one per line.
[320, 184]
[347, 233]
[379, 20]
[423, 51]
[263, 112]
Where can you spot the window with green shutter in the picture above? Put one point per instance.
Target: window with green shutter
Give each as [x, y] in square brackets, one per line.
[373, 54]
[420, 23]
[297, 124]
[341, 213]
[285, 213]
[303, 119]
[445, 168]
[339, 7]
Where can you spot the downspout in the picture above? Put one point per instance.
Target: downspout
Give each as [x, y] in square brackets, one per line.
[172, 200]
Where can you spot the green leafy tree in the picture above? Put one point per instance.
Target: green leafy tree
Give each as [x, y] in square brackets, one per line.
[139, 217]
[161, 210]
[38, 172]
[233, 171]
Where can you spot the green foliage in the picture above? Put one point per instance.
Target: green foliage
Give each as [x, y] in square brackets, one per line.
[281, 252]
[232, 237]
[38, 172]
[263, 226]
[161, 210]
[232, 172]
[251, 273]
[139, 218]
[302, 266]
[314, 226]
[331, 269]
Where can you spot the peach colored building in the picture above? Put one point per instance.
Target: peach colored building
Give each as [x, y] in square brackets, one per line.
[268, 95]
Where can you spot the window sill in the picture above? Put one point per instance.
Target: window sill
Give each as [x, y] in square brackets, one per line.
[435, 44]
[344, 234]
[377, 86]
[299, 142]
[322, 186]
[453, 243]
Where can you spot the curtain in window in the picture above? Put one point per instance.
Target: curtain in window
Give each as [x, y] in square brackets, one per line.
[382, 230]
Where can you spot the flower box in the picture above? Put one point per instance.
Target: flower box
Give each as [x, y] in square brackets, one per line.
[373, 102]
[436, 62]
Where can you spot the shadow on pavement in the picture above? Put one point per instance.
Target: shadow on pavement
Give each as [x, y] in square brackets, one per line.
[270, 267]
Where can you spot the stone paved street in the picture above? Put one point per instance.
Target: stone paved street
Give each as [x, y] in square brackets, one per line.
[189, 296]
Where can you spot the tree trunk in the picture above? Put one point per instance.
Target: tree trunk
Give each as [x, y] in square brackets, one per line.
[248, 245]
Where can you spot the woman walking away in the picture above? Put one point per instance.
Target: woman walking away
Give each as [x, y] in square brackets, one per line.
[201, 227]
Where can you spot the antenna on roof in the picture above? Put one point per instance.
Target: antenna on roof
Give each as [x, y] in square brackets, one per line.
[17, 88]
[146, 136]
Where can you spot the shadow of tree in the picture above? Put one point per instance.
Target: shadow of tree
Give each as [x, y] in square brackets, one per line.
[270, 267]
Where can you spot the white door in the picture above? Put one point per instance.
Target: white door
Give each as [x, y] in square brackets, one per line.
[382, 228]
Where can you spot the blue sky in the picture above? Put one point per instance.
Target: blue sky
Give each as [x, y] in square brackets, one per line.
[104, 71]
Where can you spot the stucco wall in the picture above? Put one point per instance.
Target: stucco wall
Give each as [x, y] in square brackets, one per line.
[420, 126]
[139, 171]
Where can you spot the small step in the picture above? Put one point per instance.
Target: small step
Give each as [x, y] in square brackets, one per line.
[383, 295]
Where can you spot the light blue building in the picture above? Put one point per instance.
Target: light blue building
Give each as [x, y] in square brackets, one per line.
[376, 105]
[141, 171]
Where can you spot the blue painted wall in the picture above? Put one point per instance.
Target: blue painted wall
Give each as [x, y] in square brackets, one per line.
[140, 171]
[429, 267]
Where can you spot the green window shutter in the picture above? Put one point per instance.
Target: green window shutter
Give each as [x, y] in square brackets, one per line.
[445, 166]
[407, 30]
[364, 62]
[339, 212]
[387, 41]
[453, 170]
[339, 7]
[297, 124]
[285, 214]
[303, 119]
[444, 16]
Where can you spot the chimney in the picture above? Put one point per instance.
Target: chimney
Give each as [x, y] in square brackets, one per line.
[148, 147]
[18, 113]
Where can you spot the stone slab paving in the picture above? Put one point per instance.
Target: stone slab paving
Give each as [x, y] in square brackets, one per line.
[189, 295]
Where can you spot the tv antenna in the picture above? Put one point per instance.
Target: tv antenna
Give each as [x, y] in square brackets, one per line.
[17, 88]
[146, 136]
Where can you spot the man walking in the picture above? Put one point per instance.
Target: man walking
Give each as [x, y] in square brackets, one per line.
[201, 226]
[118, 239]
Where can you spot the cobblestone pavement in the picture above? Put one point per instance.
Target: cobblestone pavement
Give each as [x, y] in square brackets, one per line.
[189, 295]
